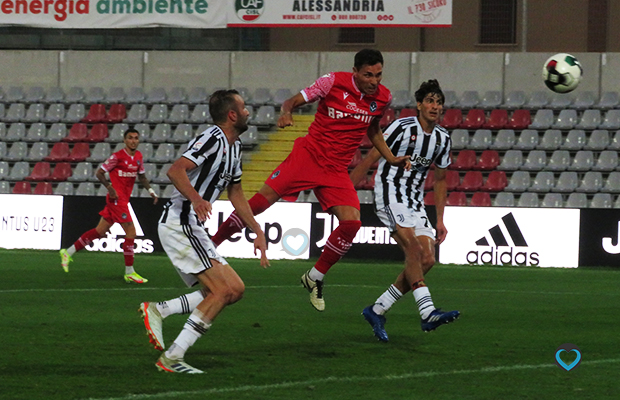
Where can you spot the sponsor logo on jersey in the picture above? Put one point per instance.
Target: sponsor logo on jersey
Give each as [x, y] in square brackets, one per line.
[336, 114]
[275, 174]
[373, 106]
[128, 174]
[345, 95]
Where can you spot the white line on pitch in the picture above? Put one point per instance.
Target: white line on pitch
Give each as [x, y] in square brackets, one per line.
[336, 379]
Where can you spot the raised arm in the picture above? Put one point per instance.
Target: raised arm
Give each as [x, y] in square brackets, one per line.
[286, 116]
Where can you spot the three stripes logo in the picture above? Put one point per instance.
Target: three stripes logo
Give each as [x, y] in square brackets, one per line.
[500, 249]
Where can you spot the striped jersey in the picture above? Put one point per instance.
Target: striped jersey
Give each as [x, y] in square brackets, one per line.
[218, 165]
[405, 136]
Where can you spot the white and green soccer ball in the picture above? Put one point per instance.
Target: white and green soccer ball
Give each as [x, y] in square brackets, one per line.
[562, 73]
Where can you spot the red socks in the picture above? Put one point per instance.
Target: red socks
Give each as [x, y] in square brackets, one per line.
[86, 239]
[258, 204]
[337, 245]
[128, 252]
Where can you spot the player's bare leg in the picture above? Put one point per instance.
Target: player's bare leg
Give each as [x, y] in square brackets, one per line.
[84, 240]
[224, 288]
[336, 246]
[128, 252]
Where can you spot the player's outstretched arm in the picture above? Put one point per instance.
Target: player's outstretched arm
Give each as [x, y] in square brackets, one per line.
[100, 174]
[286, 116]
[178, 176]
[376, 137]
[440, 189]
[362, 168]
[238, 200]
[145, 184]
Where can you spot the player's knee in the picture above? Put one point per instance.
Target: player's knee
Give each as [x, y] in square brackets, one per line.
[428, 260]
[233, 292]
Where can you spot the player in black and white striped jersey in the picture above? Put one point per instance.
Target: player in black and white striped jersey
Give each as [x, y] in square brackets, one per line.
[399, 201]
[211, 163]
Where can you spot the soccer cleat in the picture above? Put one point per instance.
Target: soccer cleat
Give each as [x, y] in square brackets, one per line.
[153, 324]
[377, 322]
[438, 318]
[175, 365]
[65, 259]
[316, 291]
[135, 278]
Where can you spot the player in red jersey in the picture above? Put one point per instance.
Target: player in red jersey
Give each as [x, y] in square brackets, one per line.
[123, 167]
[351, 105]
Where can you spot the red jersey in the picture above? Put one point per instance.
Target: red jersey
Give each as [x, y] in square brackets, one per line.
[123, 170]
[342, 118]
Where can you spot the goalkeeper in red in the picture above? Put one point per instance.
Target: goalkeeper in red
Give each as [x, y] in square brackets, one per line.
[123, 167]
[350, 106]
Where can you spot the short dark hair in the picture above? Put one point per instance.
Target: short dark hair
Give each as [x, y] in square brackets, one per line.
[430, 86]
[367, 57]
[220, 103]
[130, 130]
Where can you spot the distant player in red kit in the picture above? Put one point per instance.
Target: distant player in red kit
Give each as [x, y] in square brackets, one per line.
[123, 167]
[351, 105]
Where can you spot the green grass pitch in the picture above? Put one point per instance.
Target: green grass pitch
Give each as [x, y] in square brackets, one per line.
[79, 336]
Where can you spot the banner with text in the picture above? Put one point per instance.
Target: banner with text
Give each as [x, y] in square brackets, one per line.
[339, 13]
[103, 14]
[30, 222]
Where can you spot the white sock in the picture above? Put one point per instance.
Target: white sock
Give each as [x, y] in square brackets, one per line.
[129, 270]
[425, 303]
[193, 329]
[315, 275]
[181, 305]
[386, 300]
[71, 250]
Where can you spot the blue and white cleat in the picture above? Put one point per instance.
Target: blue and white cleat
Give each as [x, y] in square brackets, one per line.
[438, 318]
[176, 366]
[377, 322]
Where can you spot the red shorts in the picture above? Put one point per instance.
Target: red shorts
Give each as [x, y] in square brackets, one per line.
[116, 213]
[300, 171]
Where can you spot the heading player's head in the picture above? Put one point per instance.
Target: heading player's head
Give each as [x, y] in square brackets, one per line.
[368, 70]
[131, 137]
[227, 106]
[430, 100]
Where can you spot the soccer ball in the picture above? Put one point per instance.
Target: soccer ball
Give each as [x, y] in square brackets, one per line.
[562, 73]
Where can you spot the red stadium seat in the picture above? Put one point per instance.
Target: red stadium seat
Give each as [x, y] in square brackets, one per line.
[116, 114]
[429, 199]
[79, 152]
[452, 118]
[98, 133]
[77, 133]
[60, 152]
[496, 182]
[465, 160]
[452, 180]
[497, 120]
[366, 143]
[480, 199]
[388, 117]
[43, 188]
[357, 158]
[40, 172]
[61, 172]
[474, 120]
[472, 181]
[489, 160]
[408, 112]
[430, 181]
[96, 114]
[457, 199]
[520, 119]
[22, 188]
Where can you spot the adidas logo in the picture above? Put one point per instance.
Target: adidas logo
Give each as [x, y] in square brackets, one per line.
[111, 243]
[517, 252]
